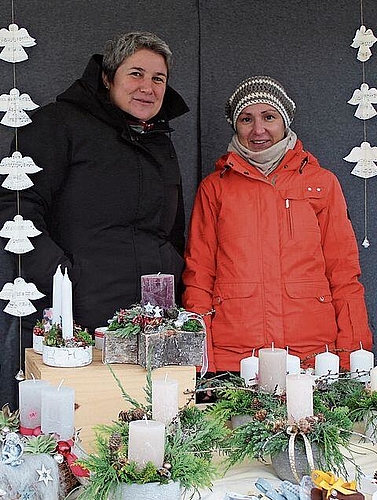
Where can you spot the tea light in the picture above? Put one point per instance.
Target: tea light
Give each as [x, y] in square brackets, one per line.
[164, 400]
[99, 337]
[158, 290]
[30, 402]
[299, 396]
[327, 364]
[249, 368]
[361, 361]
[272, 369]
[146, 442]
[293, 364]
[58, 406]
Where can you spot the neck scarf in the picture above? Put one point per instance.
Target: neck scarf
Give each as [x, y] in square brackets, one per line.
[265, 161]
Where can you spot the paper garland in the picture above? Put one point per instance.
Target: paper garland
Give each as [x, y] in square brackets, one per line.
[16, 168]
[365, 157]
[363, 40]
[363, 98]
[14, 39]
[19, 231]
[20, 294]
[14, 105]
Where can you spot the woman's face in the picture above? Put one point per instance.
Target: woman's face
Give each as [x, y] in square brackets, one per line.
[139, 84]
[260, 126]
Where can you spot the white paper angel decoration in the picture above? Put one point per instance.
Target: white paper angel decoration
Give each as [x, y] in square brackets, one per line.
[363, 40]
[19, 231]
[16, 169]
[365, 158]
[14, 105]
[363, 98]
[20, 294]
[14, 39]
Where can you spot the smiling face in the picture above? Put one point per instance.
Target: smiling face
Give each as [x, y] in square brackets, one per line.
[259, 126]
[139, 84]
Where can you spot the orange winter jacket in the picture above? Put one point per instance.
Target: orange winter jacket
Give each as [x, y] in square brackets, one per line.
[277, 260]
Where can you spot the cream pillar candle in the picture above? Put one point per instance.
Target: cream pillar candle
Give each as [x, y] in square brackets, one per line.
[249, 368]
[30, 402]
[67, 314]
[293, 364]
[272, 369]
[299, 397]
[158, 290]
[57, 282]
[361, 361]
[327, 365]
[373, 379]
[146, 442]
[58, 406]
[164, 400]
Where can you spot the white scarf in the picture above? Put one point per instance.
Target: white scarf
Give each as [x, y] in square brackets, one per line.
[265, 161]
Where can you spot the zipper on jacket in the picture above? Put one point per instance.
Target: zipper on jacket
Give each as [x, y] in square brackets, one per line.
[289, 218]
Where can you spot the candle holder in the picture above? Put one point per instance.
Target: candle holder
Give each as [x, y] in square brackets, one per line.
[66, 353]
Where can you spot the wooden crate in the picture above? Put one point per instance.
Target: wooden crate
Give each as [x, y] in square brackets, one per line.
[98, 396]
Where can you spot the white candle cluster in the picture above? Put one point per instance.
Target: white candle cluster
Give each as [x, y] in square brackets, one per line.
[62, 310]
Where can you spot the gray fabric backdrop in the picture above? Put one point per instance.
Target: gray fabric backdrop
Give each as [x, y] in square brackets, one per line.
[216, 44]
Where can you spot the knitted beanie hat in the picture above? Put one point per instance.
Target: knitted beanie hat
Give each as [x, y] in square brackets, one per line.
[260, 89]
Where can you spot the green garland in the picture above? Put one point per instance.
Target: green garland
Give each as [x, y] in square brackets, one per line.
[190, 440]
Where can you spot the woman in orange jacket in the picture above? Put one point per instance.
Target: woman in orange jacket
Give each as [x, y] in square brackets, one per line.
[271, 251]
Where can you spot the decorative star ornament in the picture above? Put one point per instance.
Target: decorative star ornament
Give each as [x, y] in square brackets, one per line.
[149, 308]
[27, 494]
[44, 475]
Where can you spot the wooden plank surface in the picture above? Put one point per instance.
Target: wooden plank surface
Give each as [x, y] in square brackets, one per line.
[97, 394]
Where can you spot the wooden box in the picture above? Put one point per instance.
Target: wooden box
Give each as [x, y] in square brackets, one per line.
[97, 395]
[171, 347]
[120, 350]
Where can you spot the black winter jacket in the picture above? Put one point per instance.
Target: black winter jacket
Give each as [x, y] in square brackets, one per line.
[108, 200]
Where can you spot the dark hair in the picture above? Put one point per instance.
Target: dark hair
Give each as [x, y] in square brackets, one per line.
[123, 46]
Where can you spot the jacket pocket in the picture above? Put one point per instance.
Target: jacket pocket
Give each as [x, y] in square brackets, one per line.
[238, 321]
[309, 314]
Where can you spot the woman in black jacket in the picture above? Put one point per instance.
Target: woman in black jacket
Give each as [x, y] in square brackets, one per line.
[109, 199]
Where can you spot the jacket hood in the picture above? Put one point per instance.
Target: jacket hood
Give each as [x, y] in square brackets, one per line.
[89, 93]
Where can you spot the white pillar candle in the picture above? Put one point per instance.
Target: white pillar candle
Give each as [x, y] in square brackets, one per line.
[327, 365]
[272, 369]
[249, 368]
[57, 282]
[67, 314]
[58, 406]
[299, 397]
[361, 361]
[30, 401]
[373, 379]
[158, 290]
[146, 442]
[293, 364]
[164, 400]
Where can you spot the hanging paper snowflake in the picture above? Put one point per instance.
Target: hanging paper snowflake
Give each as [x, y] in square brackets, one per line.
[366, 158]
[363, 40]
[14, 39]
[19, 293]
[19, 231]
[14, 105]
[363, 98]
[16, 168]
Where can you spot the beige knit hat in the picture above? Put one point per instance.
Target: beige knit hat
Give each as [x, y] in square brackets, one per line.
[260, 89]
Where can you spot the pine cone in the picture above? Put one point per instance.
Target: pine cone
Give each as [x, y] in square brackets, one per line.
[130, 415]
[256, 404]
[261, 415]
[278, 426]
[115, 442]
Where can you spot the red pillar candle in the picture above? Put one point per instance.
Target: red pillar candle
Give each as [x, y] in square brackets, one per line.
[158, 290]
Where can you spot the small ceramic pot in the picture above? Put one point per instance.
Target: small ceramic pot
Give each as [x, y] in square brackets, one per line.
[67, 357]
[148, 491]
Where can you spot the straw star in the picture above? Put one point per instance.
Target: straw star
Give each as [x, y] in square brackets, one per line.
[44, 475]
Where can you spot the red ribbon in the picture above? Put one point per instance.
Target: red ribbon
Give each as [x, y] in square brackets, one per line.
[64, 448]
[28, 431]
